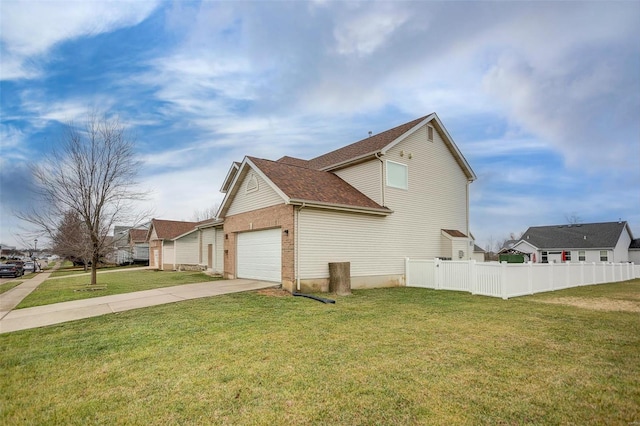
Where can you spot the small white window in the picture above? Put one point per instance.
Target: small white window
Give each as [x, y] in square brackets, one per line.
[430, 133]
[397, 175]
[582, 256]
[252, 183]
[604, 256]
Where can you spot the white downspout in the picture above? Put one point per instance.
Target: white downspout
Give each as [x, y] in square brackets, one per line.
[382, 178]
[298, 246]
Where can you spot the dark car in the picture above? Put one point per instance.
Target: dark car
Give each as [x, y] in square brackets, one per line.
[14, 270]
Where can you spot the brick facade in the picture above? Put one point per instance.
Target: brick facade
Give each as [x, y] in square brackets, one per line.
[280, 216]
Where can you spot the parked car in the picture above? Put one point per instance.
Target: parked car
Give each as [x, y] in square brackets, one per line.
[11, 270]
[31, 266]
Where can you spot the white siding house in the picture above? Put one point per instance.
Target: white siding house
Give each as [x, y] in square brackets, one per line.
[588, 242]
[372, 203]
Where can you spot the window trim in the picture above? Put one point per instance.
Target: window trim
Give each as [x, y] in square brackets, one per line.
[406, 168]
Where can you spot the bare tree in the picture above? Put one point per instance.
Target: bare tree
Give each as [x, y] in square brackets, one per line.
[72, 241]
[93, 174]
[573, 218]
[204, 214]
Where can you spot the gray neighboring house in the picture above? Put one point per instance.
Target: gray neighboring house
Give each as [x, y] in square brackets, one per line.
[587, 242]
[634, 251]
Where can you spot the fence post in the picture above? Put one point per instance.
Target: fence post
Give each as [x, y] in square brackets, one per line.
[436, 273]
[503, 280]
[582, 273]
[473, 279]
[595, 272]
[530, 277]
[551, 273]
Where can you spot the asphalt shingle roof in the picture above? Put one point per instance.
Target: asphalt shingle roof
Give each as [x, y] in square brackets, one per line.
[578, 236]
[301, 183]
[363, 147]
[169, 229]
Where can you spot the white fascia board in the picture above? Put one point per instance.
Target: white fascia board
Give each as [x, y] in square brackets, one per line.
[184, 235]
[228, 197]
[340, 207]
[447, 139]
[407, 133]
[213, 224]
[523, 242]
[273, 186]
[233, 171]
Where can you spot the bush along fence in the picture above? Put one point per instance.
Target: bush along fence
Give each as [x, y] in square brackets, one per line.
[512, 280]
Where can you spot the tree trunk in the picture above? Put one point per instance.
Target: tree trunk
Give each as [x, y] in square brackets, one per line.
[340, 278]
[94, 269]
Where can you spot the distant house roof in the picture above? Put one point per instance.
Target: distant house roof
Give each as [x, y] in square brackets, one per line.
[478, 249]
[579, 236]
[137, 235]
[635, 244]
[301, 184]
[169, 229]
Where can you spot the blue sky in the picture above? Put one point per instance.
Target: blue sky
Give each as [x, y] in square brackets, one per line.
[542, 98]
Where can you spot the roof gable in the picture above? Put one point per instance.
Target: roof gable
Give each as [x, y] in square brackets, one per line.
[382, 142]
[576, 236]
[170, 229]
[363, 148]
[304, 184]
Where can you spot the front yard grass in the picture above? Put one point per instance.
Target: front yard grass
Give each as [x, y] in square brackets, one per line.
[76, 288]
[4, 287]
[387, 356]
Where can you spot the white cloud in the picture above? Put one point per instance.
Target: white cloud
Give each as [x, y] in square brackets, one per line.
[31, 28]
[364, 29]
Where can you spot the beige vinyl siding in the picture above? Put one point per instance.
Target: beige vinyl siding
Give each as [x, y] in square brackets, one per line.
[366, 178]
[187, 249]
[330, 236]
[208, 237]
[219, 251]
[436, 199]
[245, 201]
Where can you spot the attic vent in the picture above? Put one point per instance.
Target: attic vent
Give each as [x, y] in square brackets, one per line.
[370, 133]
[430, 133]
[252, 184]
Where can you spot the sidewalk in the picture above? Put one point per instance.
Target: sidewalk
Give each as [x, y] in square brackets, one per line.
[39, 316]
[13, 297]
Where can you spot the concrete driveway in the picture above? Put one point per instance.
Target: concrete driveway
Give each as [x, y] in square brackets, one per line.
[39, 316]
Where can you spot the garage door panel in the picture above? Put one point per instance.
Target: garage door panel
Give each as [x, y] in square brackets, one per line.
[259, 255]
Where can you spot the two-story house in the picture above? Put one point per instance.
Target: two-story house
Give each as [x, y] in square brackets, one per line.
[401, 193]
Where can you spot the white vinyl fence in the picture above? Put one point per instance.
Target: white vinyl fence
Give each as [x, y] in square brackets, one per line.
[507, 280]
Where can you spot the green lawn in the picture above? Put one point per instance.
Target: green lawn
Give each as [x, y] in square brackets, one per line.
[4, 287]
[75, 288]
[388, 356]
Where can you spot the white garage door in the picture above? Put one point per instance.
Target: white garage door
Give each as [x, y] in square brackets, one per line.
[259, 255]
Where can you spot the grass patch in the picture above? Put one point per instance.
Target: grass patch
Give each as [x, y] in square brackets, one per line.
[76, 270]
[388, 356]
[76, 288]
[4, 287]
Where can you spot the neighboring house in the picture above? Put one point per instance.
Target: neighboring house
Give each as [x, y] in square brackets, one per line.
[125, 250]
[401, 193]
[138, 246]
[478, 253]
[588, 242]
[175, 245]
[634, 251]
